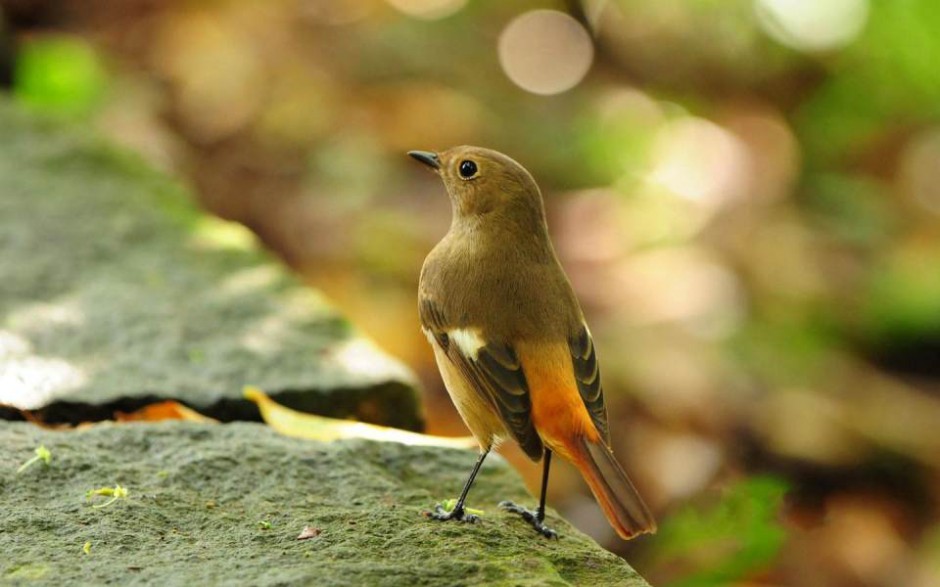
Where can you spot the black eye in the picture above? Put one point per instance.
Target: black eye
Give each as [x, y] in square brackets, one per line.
[467, 169]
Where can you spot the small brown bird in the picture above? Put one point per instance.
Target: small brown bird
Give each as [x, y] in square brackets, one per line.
[509, 337]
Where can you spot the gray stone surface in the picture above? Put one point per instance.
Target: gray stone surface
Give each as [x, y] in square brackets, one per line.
[115, 291]
[223, 504]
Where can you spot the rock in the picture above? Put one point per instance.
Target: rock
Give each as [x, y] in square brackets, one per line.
[224, 504]
[115, 291]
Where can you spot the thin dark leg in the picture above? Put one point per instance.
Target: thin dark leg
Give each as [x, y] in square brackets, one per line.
[458, 513]
[540, 515]
[537, 517]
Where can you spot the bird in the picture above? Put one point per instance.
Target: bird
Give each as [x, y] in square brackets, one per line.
[510, 338]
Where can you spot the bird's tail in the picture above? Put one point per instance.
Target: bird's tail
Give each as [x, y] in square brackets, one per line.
[613, 490]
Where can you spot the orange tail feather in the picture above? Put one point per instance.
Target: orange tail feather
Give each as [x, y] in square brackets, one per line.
[613, 490]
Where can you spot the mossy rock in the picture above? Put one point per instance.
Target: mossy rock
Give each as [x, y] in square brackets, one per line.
[224, 504]
[116, 291]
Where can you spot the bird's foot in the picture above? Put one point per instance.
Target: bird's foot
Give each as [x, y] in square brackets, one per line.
[530, 516]
[458, 513]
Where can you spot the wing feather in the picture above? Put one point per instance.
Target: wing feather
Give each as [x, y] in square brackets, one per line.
[588, 376]
[495, 373]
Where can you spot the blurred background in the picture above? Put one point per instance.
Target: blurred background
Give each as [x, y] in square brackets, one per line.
[745, 194]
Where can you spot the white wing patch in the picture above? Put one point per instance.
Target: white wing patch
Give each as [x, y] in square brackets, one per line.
[468, 341]
[429, 335]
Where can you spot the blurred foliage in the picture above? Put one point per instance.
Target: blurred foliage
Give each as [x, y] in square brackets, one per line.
[903, 299]
[727, 540]
[59, 75]
[745, 194]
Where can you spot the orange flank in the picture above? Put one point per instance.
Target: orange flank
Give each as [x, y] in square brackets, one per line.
[566, 428]
[558, 411]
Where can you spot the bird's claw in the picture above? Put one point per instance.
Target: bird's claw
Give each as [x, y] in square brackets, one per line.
[458, 513]
[530, 516]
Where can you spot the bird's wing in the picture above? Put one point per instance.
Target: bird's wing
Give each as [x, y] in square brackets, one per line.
[588, 376]
[492, 369]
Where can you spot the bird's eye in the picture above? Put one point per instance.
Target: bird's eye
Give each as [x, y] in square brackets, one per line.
[467, 169]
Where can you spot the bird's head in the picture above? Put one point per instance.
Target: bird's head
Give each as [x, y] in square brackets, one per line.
[485, 183]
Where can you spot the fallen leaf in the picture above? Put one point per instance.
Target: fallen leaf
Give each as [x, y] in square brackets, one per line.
[37, 420]
[308, 532]
[167, 410]
[310, 426]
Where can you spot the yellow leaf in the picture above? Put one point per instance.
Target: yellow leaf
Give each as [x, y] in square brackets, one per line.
[301, 425]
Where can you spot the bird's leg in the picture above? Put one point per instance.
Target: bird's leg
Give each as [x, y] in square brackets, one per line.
[537, 517]
[458, 512]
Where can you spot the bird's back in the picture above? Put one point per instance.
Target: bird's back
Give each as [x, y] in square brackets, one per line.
[528, 298]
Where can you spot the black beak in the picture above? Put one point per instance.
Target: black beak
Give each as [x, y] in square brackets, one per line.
[426, 157]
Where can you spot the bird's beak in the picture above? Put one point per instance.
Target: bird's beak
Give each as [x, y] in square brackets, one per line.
[428, 158]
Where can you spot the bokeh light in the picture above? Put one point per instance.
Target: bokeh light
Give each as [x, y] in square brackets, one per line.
[685, 463]
[428, 9]
[545, 52]
[700, 161]
[680, 285]
[207, 60]
[773, 152]
[812, 25]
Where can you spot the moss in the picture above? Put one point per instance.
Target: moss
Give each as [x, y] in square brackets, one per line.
[198, 492]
